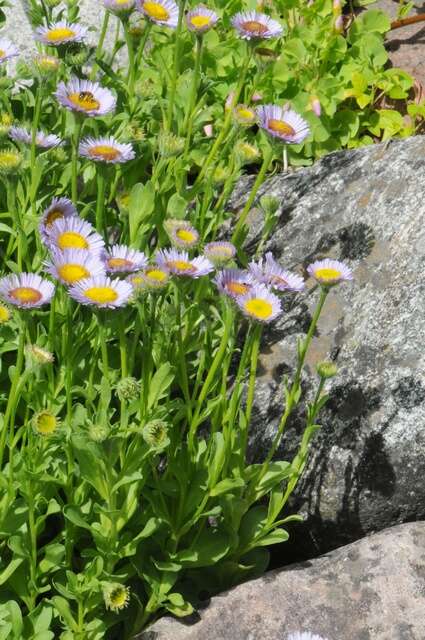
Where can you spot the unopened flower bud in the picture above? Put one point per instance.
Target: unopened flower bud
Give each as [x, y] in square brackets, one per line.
[169, 145]
[38, 356]
[339, 24]
[128, 389]
[220, 175]
[98, 432]
[209, 130]
[315, 106]
[155, 434]
[337, 7]
[326, 369]
[269, 204]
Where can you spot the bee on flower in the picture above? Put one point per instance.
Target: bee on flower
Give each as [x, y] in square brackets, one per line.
[85, 97]
[200, 19]
[284, 124]
[179, 263]
[269, 272]
[162, 12]
[74, 233]
[260, 304]
[61, 33]
[42, 140]
[123, 259]
[59, 208]
[102, 292]
[329, 272]
[26, 290]
[7, 50]
[106, 150]
[253, 25]
[72, 265]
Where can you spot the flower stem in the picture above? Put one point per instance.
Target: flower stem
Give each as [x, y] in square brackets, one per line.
[251, 388]
[257, 184]
[35, 123]
[74, 159]
[131, 77]
[176, 67]
[100, 201]
[103, 348]
[100, 44]
[188, 123]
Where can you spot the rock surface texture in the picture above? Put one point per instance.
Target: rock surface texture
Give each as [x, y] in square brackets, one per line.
[373, 589]
[367, 464]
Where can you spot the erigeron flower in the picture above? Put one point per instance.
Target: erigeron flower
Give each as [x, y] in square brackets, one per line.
[10, 161]
[60, 33]
[26, 290]
[42, 140]
[326, 369]
[219, 253]
[254, 25]
[72, 265]
[181, 233]
[7, 50]
[102, 292]
[329, 272]
[46, 64]
[179, 263]
[234, 282]
[260, 304]
[244, 115]
[85, 97]
[45, 423]
[4, 314]
[98, 432]
[269, 272]
[119, 6]
[106, 150]
[151, 278]
[246, 152]
[128, 389]
[285, 124]
[201, 19]
[123, 259]
[155, 434]
[116, 596]
[162, 12]
[5, 124]
[59, 208]
[74, 233]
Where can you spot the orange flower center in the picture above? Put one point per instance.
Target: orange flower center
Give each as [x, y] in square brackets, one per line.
[84, 100]
[104, 151]
[26, 295]
[237, 288]
[253, 26]
[181, 265]
[120, 263]
[281, 127]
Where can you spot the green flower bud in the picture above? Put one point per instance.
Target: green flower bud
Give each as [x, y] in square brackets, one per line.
[155, 434]
[326, 369]
[128, 389]
[170, 145]
[269, 205]
[98, 432]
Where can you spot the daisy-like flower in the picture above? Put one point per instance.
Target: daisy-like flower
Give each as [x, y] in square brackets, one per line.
[116, 596]
[219, 253]
[246, 152]
[123, 259]
[60, 33]
[329, 272]
[181, 233]
[7, 50]
[45, 423]
[179, 263]
[162, 12]
[46, 64]
[251, 24]
[85, 97]
[270, 272]
[42, 140]
[234, 282]
[4, 314]
[72, 265]
[201, 19]
[284, 124]
[119, 6]
[245, 115]
[152, 277]
[102, 292]
[260, 304]
[59, 208]
[106, 150]
[10, 161]
[74, 233]
[26, 290]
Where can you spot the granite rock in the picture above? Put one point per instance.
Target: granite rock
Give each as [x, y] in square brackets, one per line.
[373, 589]
[367, 463]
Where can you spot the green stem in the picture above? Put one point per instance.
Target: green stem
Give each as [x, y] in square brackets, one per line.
[100, 43]
[15, 214]
[74, 158]
[142, 45]
[103, 348]
[35, 123]
[251, 388]
[176, 66]
[257, 184]
[100, 201]
[188, 123]
[33, 544]
[68, 364]
[131, 76]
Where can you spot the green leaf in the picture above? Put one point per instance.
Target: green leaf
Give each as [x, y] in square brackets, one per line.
[274, 537]
[176, 207]
[62, 607]
[141, 206]
[10, 569]
[160, 384]
[229, 484]
[209, 548]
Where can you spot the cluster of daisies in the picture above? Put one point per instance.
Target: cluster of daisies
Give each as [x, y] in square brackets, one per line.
[112, 277]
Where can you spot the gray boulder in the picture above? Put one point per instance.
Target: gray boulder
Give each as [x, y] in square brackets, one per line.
[367, 464]
[373, 589]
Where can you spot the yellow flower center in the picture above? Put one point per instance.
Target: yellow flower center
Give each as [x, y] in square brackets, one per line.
[26, 295]
[120, 263]
[327, 274]
[119, 598]
[253, 26]
[72, 240]
[238, 288]
[61, 33]
[281, 127]
[156, 10]
[104, 151]
[121, 2]
[181, 265]
[200, 21]
[101, 295]
[246, 114]
[4, 314]
[46, 423]
[259, 308]
[8, 159]
[52, 216]
[2, 53]
[84, 100]
[186, 235]
[156, 274]
[73, 272]
[47, 63]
